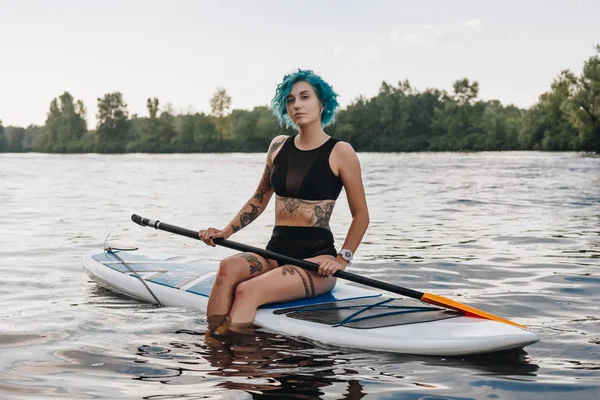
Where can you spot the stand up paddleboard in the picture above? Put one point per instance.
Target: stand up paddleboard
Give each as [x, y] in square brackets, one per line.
[348, 316]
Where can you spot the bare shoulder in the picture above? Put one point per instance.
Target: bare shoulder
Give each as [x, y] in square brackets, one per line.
[343, 152]
[342, 156]
[344, 149]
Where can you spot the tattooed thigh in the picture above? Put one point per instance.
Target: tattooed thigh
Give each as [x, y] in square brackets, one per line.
[307, 279]
[255, 265]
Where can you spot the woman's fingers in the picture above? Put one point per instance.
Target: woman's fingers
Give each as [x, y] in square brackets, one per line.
[322, 268]
[207, 235]
[328, 268]
[332, 269]
[210, 235]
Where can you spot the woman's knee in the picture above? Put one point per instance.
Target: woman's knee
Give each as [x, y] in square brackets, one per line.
[245, 293]
[230, 271]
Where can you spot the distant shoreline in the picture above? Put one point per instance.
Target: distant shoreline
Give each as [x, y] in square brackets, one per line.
[399, 119]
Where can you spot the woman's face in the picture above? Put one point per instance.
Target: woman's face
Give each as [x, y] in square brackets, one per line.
[303, 105]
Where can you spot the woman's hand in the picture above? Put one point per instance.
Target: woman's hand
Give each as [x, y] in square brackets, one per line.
[208, 235]
[329, 267]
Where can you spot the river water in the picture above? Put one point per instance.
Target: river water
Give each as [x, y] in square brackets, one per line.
[515, 233]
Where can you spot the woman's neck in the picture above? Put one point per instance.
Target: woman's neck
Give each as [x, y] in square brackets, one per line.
[311, 135]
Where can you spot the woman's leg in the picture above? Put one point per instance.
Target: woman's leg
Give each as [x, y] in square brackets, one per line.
[280, 284]
[232, 271]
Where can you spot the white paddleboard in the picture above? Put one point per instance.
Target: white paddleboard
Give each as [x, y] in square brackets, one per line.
[348, 316]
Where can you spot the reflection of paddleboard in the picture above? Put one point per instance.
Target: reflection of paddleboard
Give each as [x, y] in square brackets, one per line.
[347, 316]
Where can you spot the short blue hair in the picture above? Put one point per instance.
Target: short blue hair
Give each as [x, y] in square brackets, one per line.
[324, 90]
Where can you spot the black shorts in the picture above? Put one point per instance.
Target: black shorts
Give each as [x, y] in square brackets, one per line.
[302, 241]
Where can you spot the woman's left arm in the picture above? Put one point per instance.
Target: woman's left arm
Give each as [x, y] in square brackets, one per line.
[350, 174]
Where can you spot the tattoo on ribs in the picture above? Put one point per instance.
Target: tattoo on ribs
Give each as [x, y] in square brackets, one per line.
[255, 264]
[323, 215]
[247, 217]
[293, 206]
[290, 206]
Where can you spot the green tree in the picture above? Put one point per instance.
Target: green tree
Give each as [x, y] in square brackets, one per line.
[152, 106]
[548, 125]
[196, 133]
[585, 103]
[112, 129]
[166, 127]
[357, 125]
[220, 102]
[465, 92]
[2, 138]
[145, 132]
[501, 126]
[155, 134]
[253, 130]
[34, 135]
[184, 140]
[15, 139]
[457, 124]
[65, 125]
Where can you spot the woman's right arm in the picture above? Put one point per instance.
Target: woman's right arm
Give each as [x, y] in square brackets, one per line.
[254, 206]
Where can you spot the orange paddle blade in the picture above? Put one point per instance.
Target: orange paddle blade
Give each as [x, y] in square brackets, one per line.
[470, 311]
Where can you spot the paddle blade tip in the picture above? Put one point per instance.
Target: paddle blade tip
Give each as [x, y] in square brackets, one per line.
[136, 218]
[468, 310]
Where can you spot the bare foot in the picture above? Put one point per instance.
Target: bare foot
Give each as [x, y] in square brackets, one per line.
[215, 321]
[246, 328]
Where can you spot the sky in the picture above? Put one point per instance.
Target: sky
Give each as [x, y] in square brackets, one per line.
[182, 51]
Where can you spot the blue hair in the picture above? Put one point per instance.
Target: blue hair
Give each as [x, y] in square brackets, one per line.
[324, 90]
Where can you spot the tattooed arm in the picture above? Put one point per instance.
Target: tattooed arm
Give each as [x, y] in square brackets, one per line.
[259, 201]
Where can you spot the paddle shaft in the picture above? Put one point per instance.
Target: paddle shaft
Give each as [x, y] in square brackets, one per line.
[279, 257]
[425, 297]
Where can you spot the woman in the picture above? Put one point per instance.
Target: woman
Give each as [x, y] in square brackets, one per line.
[306, 171]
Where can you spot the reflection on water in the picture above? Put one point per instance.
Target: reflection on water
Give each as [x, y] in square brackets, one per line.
[516, 234]
[271, 365]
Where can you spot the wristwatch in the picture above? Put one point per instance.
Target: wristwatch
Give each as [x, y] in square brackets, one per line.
[346, 255]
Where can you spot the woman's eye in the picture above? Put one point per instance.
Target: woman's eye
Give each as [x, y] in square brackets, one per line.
[290, 100]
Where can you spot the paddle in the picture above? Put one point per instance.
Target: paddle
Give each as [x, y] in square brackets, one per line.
[425, 297]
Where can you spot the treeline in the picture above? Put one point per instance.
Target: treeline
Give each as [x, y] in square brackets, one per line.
[399, 118]
[162, 131]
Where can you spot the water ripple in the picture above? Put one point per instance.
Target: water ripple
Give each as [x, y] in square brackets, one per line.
[515, 234]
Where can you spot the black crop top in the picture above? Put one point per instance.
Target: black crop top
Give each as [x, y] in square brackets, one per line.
[305, 174]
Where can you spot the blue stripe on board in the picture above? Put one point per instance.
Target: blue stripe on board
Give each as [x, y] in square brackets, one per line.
[324, 298]
[203, 287]
[176, 271]
[125, 255]
[140, 267]
[174, 278]
[339, 293]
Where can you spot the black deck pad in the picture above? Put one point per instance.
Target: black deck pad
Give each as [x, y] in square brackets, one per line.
[368, 313]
